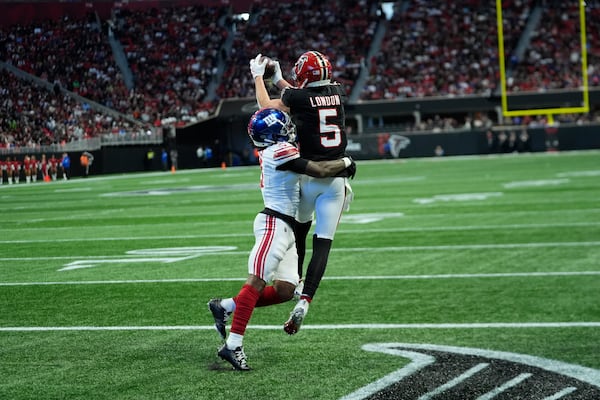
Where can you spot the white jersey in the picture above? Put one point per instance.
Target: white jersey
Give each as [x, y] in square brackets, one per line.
[274, 255]
[280, 189]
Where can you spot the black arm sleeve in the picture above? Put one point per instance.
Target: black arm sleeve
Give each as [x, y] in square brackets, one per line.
[297, 165]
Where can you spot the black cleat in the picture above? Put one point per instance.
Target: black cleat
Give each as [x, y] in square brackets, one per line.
[220, 315]
[235, 357]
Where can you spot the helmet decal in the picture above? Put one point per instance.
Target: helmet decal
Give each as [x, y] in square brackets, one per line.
[322, 64]
[300, 63]
[268, 126]
[311, 66]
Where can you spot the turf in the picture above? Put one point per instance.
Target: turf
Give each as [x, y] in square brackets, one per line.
[104, 281]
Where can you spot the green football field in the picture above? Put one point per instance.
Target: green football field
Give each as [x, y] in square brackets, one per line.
[104, 281]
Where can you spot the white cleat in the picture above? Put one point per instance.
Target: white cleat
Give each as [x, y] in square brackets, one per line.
[292, 325]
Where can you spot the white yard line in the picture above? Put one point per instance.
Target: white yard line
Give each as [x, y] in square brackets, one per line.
[488, 325]
[353, 249]
[472, 246]
[337, 278]
[340, 231]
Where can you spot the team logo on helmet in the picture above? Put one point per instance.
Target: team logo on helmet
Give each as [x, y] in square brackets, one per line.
[268, 126]
[311, 66]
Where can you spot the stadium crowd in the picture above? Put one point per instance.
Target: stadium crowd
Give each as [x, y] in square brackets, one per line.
[435, 48]
[556, 63]
[174, 54]
[32, 116]
[341, 29]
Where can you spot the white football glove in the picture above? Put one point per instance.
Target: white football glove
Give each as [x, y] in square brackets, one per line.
[257, 67]
[277, 75]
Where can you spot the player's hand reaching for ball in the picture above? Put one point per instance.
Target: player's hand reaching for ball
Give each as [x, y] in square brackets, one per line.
[277, 75]
[257, 66]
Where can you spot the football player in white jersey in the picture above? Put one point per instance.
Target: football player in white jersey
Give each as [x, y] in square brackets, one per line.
[274, 256]
[316, 105]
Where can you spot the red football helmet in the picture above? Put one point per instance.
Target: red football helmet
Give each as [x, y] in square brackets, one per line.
[311, 66]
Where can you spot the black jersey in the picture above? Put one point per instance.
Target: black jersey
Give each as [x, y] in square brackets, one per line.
[318, 113]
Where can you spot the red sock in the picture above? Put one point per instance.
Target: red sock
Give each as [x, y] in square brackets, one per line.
[245, 302]
[268, 297]
[305, 297]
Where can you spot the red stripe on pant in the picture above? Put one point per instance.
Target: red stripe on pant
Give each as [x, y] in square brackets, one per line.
[264, 247]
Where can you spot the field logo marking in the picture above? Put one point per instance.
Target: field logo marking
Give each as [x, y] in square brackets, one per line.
[457, 197]
[475, 373]
[164, 255]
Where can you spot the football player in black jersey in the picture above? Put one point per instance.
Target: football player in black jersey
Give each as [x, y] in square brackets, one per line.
[316, 105]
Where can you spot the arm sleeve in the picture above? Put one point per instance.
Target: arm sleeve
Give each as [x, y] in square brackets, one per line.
[297, 165]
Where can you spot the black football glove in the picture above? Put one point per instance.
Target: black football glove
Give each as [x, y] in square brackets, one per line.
[351, 169]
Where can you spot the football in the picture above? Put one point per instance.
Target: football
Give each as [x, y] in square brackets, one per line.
[269, 68]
